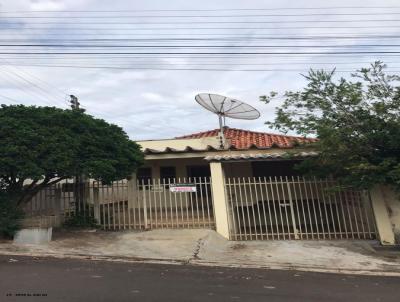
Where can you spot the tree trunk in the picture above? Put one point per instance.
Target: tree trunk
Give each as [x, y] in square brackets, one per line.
[27, 193]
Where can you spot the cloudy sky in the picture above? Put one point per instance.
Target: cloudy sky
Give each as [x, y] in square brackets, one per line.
[144, 63]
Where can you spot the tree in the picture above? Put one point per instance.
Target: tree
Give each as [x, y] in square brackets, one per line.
[41, 146]
[356, 121]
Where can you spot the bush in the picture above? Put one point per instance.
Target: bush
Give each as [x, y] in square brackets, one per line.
[81, 220]
[10, 217]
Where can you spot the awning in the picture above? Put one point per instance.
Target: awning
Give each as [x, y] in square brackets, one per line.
[261, 157]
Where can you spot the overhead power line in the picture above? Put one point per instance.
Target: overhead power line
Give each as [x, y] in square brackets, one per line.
[104, 56]
[202, 53]
[206, 16]
[208, 28]
[195, 46]
[28, 74]
[46, 96]
[198, 22]
[186, 69]
[192, 34]
[204, 9]
[27, 78]
[192, 39]
[10, 99]
[140, 63]
[277, 59]
[21, 87]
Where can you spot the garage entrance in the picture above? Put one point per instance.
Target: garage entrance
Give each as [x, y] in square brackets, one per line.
[283, 208]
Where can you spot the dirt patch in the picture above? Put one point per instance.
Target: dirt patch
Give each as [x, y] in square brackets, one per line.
[238, 246]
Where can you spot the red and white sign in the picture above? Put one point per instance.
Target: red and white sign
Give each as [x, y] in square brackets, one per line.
[178, 188]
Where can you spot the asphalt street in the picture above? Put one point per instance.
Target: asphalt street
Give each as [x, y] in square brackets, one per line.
[48, 279]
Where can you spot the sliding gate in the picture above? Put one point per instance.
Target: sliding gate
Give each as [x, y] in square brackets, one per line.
[296, 208]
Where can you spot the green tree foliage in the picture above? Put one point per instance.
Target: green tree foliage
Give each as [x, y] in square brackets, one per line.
[10, 216]
[356, 120]
[44, 145]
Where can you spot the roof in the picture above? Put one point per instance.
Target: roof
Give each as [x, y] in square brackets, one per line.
[245, 139]
[174, 150]
[268, 156]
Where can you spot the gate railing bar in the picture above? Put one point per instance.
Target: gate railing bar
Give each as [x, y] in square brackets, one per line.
[281, 186]
[278, 195]
[252, 208]
[267, 194]
[275, 214]
[364, 200]
[295, 232]
[354, 210]
[237, 212]
[263, 208]
[326, 218]
[295, 201]
[243, 214]
[310, 187]
[347, 203]
[258, 211]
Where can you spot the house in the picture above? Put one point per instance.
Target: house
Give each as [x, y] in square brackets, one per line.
[245, 182]
[241, 183]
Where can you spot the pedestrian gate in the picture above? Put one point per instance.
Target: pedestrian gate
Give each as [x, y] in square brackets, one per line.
[296, 208]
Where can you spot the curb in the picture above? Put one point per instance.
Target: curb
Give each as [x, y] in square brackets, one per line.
[199, 262]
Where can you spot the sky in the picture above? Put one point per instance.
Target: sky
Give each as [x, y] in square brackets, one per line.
[151, 96]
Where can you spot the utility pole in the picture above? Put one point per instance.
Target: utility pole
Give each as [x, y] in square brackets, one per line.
[74, 102]
[80, 207]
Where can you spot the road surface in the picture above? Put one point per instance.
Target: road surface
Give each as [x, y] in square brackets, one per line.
[47, 279]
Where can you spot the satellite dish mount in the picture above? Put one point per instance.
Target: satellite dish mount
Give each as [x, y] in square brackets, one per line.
[226, 107]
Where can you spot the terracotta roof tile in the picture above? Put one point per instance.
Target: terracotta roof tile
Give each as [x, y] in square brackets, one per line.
[245, 139]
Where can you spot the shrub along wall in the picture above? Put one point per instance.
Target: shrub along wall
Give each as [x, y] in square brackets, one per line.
[10, 217]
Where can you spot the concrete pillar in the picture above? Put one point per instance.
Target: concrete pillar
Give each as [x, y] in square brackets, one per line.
[392, 201]
[220, 199]
[383, 225]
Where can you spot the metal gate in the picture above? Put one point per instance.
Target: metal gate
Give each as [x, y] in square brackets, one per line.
[282, 208]
[51, 205]
[152, 204]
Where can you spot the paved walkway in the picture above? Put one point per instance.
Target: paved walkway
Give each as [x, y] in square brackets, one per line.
[206, 247]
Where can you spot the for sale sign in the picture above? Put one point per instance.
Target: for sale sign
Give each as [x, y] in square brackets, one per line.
[178, 188]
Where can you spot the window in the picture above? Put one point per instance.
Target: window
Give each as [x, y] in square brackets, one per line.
[143, 176]
[274, 168]
[167, 173]
[198, 171]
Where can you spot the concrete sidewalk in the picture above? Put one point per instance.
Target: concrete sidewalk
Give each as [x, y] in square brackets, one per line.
[206, 247]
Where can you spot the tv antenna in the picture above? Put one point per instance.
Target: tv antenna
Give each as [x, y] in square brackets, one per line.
[226, 107]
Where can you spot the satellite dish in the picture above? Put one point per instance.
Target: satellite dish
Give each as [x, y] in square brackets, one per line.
[226, 107]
